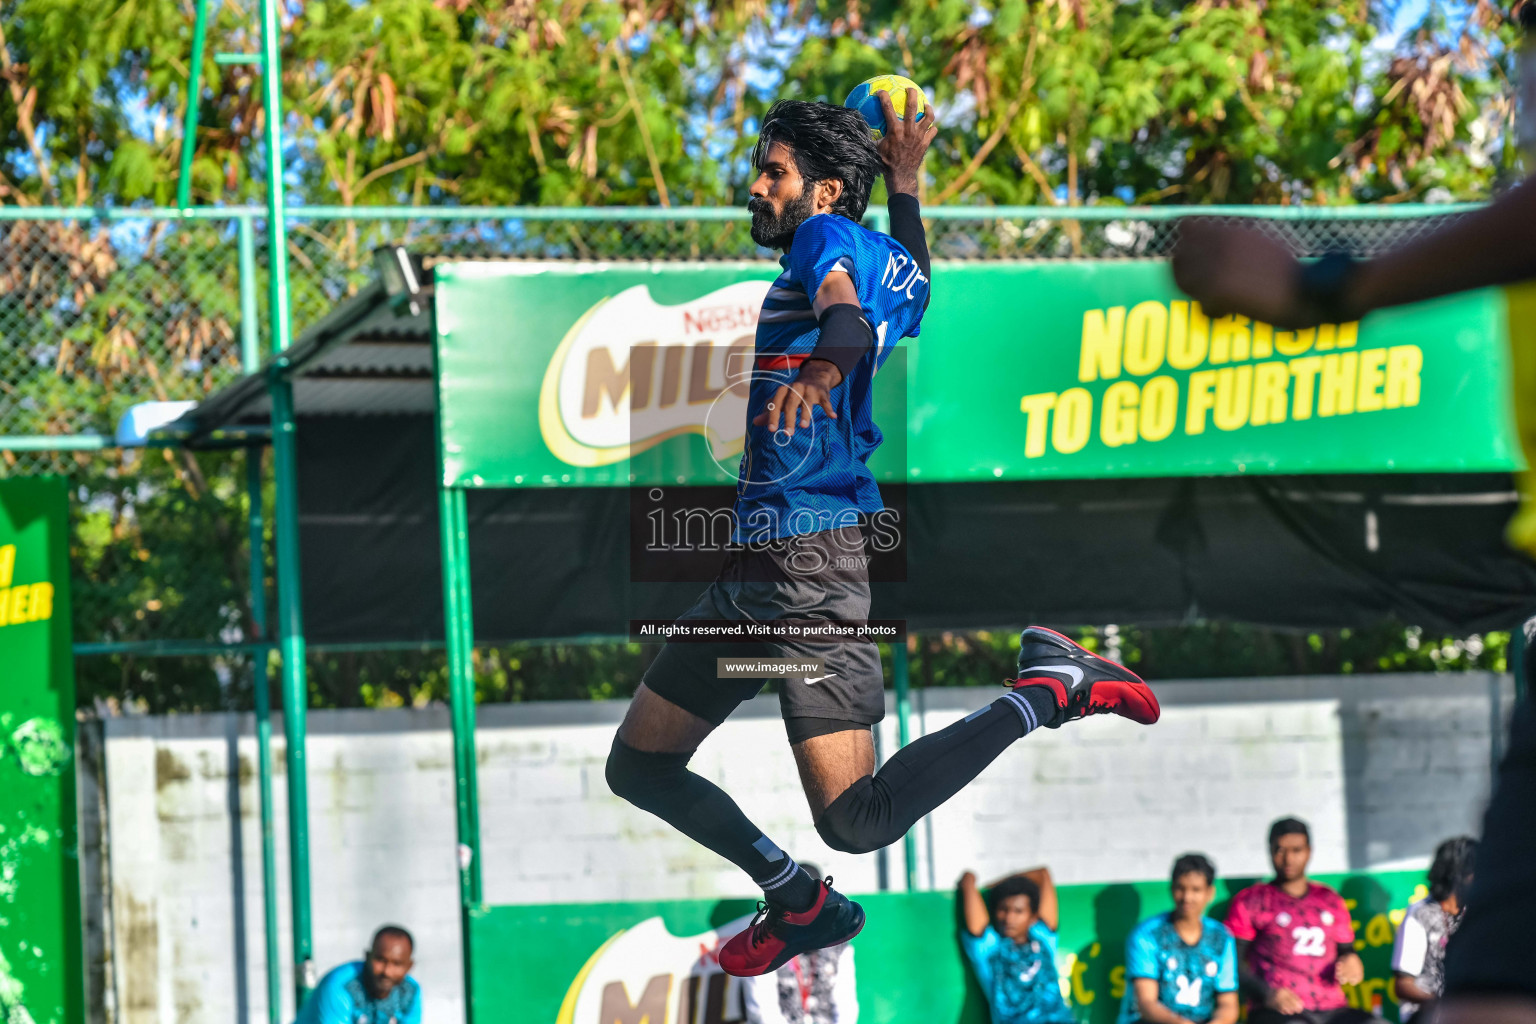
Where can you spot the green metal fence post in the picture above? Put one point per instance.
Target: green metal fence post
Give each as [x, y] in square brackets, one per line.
[295, 683]
[250, 329]
[902, 677]
[263, 697]
[194, 91]
[285, 482]
[459, 626]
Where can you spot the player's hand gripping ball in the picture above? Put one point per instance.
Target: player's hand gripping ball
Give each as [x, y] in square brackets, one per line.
[865, 98]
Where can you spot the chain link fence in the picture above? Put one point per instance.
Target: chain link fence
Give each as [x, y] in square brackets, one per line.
[102, 311]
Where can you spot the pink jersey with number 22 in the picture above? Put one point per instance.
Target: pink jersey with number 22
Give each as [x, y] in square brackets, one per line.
[1294, 941]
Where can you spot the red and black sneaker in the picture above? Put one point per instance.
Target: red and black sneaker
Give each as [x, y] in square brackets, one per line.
[776, 936]
[1082, 682]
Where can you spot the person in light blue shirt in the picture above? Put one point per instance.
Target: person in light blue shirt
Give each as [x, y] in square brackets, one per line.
[1010, 940]
[1181, 966]
[375, 990]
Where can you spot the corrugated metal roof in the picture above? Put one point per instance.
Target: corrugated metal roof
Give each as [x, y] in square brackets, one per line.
[360, 359]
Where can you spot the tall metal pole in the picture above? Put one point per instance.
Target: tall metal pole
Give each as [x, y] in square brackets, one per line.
[459, 627]
[263, 733]
[194, 92]
[250, 327]
[285, 470]
[901, 676]
[250, 359]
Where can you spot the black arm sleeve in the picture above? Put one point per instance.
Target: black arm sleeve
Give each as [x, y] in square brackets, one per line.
[845, 337]
[907, 228]
[1249, 984]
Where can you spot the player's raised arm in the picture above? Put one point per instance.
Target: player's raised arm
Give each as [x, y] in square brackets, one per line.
[1240, 270]
[974, 907]
[902, 149]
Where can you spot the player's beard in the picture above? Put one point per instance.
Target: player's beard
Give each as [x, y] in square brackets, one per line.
[777, 231]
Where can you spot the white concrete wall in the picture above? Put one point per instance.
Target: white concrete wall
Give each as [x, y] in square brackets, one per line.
[1382, 766]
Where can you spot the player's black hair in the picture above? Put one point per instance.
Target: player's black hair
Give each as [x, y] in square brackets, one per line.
[1452, 866]
[393, 930]
[828, 141]
[1289, 827]
[1015, 886]
[1194, 863]
[1525, 15]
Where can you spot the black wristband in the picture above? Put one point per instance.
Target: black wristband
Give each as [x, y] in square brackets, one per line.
[845, 337]
[907, 227]
[1321, 287]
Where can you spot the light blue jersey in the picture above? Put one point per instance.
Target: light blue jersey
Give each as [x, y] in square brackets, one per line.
[817, 480]
[1188, 977]
[1019, 978]
[342, 999]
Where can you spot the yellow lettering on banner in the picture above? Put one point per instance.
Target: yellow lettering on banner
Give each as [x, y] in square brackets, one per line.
[1102, 338]
[1117, 982]
[1349, 334]
[1082, 995]
[1229, 339]
[1073, 420]
[7, 564]
[1336, 384]
[5, 606]
[1037, 410]
[42, 602]
[19, 601]
[1118, 426]
[1189, 335]
[1263, 340]
[1293, 344]
[1326, 333]
[1234, 397]
[1159, 408]
[1372, 376]
[1200, 400]
[1304, 373]
[1271, 381]
[1379, 931]
[1146, 338]
[1403, 365]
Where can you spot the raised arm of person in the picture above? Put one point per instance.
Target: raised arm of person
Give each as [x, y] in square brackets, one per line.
[1242, 270]
[901, 149]
[972, 905]
[1048, 911]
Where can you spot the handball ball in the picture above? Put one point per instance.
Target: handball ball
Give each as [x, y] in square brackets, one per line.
[865, 98]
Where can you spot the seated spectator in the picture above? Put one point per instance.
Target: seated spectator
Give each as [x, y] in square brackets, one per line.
[377, 989]
[813, 988]
[1295, 942]
[1182, 966]
[1010, 940]
[1418, 955]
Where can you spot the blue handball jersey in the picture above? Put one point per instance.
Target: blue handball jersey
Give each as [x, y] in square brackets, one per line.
[1188, 977]
[818, 479]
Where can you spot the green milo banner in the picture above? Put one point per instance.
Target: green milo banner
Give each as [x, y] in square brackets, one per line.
[654, 963]
[612, 374]
[40, 956]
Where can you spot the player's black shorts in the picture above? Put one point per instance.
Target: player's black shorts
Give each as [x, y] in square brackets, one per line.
[803, 578]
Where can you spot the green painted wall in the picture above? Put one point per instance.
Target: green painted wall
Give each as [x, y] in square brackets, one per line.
[909, 963]
[40, 958]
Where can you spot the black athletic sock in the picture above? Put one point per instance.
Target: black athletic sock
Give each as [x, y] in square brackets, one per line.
[662, 784]
[879, 809]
